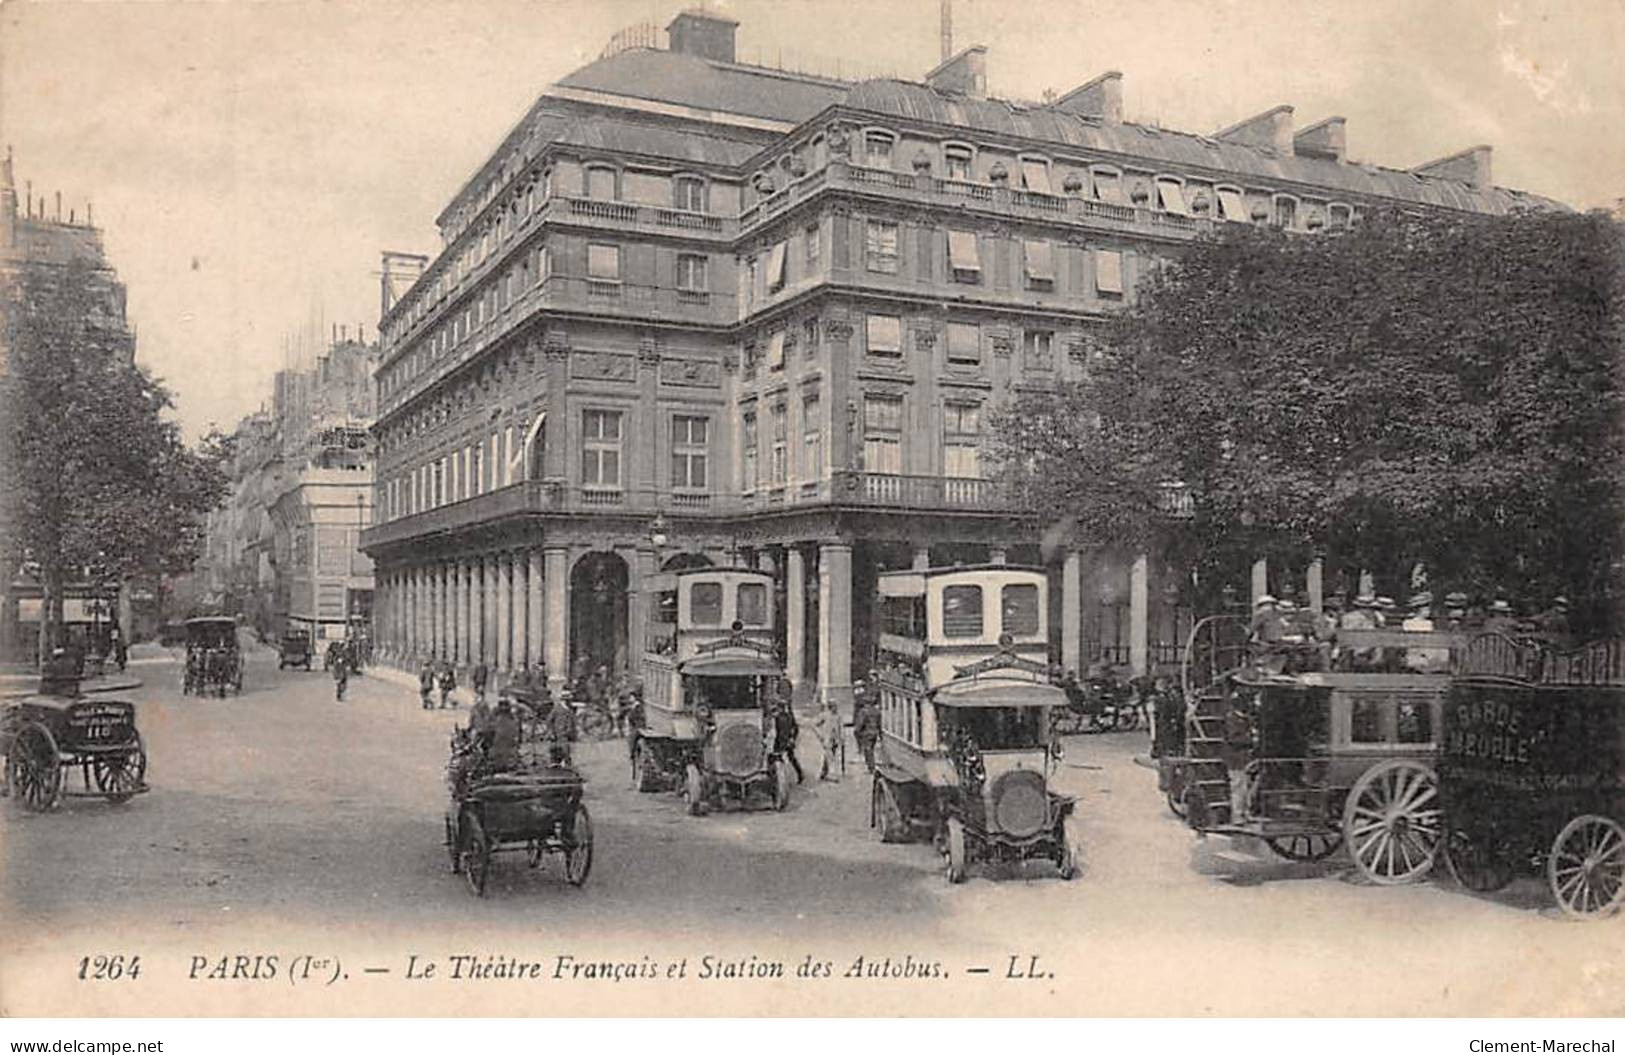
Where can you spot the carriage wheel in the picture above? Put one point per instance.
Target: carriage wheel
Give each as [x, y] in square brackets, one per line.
[452, 849]
[953, 850]
[1099, 722]
[595, 724]
[534, 851]
[888, 815]
[1392, 822]
[1477, 860]
[1068, 852]
[36, 769]
[781, 786]
[118, 777]
[1305, 849]
[1175, 795]
[1586, 868]
[578, 853]
[645, 776]
[476, 854]
[694, 790]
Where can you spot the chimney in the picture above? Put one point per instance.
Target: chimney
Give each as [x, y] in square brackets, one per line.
[964, 74]
[1272, 128]
[1471, 166]
[1324, 139]
[1101, 97]
[702, 33]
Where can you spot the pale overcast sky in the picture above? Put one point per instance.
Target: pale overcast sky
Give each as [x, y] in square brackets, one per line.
[248, 160]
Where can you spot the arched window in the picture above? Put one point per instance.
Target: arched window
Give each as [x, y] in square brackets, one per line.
[879, 146]
[1286, 212]
[959, 161]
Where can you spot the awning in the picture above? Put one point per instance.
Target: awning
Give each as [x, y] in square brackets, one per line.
[962, 255]
[1040, 261]
[731, 667]
[1173, 197]
[993, 691]
[1035, 176]
[775, 267]
[1231, 206]
[775, 350]
[1108, 271]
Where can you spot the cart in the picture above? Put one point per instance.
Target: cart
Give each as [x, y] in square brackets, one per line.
[46, 737]
[535, 810]
[1532, 772]
[294, 650]
[214, 662]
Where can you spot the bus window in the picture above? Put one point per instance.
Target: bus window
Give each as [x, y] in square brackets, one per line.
[1365, 720]
[753, 604]
[962, 611]
[1020, 604]
[1414, 724]
[705, 603]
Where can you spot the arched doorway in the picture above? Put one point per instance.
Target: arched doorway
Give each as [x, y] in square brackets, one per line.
[598, 622]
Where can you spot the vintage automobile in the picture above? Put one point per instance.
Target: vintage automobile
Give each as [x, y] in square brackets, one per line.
[966, 754]
[1309, 761]
[532, 806]
[46, 736]
[1532, 770]
[294, 649]
[707, 679]
[214, 663]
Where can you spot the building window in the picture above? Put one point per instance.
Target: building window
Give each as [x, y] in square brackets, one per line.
[963, 258]
[1039, 348]
[1232, 206]
[1286, 213]
[1109, 272]
[1171, 196]
[884, 334]
[962, 441]
[775, 267]
[691, 273]
[604, 263]
[1108, 186]
[1039, 262]
[957, 162]
[601, 448]
[778, 466]
[809, 338]
[1035, 175]
[812, 440]
[690, 448]
[688, 193]
[601, 184]
[813, 243]
[880, 246]
[962, 611]
[883, 433]
[877, 149]
[747, 451]
[775, 350]
[1338, 217]
[964, 343]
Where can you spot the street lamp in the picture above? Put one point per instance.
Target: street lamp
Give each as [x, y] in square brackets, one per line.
[657, 531]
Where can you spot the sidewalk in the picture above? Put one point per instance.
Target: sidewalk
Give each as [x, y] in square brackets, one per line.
[15, 685]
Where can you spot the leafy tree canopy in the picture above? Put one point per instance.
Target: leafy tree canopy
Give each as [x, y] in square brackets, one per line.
[1444, 388]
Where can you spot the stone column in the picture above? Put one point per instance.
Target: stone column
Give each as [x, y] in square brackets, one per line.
[533, 608]
[835, 623]
[795, 617]
[442, 610]
[504, 611]
[555, 577]
[465, 615]
[638, 601]
[454, 574]
[1261, 581]
[414, 623]
[1316, 584]
[1072, 611]
[1139, 597]
[488, 607]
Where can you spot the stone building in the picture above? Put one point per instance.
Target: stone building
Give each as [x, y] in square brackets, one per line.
[695, 309]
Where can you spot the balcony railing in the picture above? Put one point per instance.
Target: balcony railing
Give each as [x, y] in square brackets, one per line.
[897, 491]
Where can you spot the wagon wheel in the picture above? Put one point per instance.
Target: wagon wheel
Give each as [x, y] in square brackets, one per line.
[1305, 849]
[119, 776]
[534, 851]
[452, 849]
[1477, 859]
[1586, 868]
[953, 850]
[1175, 795]
[888, 816]
[694, 790]
[476, 854]
[1067, 852]
[781, 786]
[595, 724]
[1392, 822]
[36, 769]
[1100, 721]
[578, 850]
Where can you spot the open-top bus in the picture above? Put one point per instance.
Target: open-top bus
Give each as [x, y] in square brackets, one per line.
[966, 754]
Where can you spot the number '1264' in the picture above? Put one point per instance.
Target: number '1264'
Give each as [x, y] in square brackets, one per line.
[108, 968]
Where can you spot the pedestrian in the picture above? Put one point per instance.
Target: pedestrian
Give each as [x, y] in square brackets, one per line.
[561, 730]
[341, 676]
[479, 719]
[448, 682]
[828, 727]
[426, 683]
[121, 652]
[785, 731]
[866, 731]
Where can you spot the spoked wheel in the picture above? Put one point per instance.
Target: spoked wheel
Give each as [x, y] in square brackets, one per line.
[1477, 859]
[953, 850]
[119, 776]
[648, 769]
[1586, 867]
[1305, 849]
[533, 853]
[1068, 850]
[578, 852]
[36, 770]
[1175, 795]
[476, 854]
[1100, 721]
[694, 790]
[453, 851]
[1392, 822]
[595, 724]
[888, 815]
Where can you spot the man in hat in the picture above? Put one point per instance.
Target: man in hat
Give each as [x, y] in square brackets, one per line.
[502, 741]
[1361, 616]
[1553, 623]
[1455, 611]
[561, 730]
[1424, 660]
[785, 730]
[448, 684]
[866, 725]
[1266, 627]
[1501, 619]
[1387, 612]
[426, 683]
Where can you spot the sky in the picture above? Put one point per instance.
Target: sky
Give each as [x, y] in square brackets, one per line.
[248, 159]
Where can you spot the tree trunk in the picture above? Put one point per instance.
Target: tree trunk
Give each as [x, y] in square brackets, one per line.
[50, 616]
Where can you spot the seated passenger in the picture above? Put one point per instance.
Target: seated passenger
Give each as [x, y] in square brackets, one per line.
[502, 751]
[1424, 660]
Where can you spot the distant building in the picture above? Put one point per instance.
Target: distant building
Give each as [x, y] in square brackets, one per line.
[692, 310]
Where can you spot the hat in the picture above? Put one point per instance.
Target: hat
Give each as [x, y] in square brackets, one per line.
[1286, 605]
[1501, 607]
[1266, 599]
[1456, 599]
[1560, 601]
[1385, 602]
[1421, 600]
[1365, 600]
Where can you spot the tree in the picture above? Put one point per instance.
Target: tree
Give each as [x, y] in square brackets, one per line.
[96, 474]
[1441, 387]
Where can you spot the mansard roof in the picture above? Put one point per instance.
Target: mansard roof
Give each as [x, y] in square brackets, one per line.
[705, 84]
[650, 140]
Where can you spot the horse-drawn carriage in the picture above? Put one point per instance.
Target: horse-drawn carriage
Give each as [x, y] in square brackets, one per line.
[967, 754]
[1532, 770]
[44, 737]
[214, 661]
[294, 649]
[1102, 702]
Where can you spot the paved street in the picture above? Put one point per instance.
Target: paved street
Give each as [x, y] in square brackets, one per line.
[282, 822]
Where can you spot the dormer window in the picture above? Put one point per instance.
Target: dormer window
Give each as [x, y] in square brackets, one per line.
[688, 193]
[1171, 196]
[957, 162]
[602, 183]
[1035, 175]
[1286, 212]
[877, 149]
[1339, 217]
